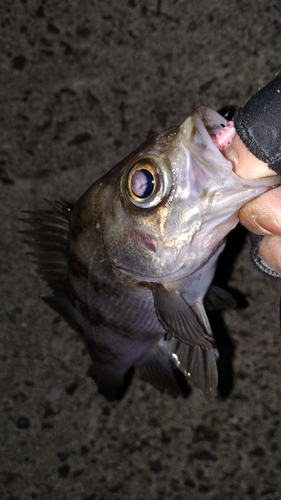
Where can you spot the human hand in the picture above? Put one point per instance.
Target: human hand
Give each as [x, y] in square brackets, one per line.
[256, 146]
[263, 216]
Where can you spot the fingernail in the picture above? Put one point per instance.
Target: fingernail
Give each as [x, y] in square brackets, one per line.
[269, 222]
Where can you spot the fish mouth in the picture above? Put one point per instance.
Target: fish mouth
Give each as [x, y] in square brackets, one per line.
[220, 130]
[225, 137]
[222, 134]
[199, 134]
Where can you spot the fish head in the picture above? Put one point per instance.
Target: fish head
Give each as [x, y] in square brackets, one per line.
[150, 208]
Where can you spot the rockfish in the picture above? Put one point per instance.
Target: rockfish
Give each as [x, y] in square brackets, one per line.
[132, 264]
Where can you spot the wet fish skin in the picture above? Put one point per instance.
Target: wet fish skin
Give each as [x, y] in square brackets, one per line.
[127, 271]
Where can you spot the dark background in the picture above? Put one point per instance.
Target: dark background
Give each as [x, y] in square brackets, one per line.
[82, 83]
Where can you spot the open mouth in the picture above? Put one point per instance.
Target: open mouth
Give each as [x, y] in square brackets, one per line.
[224, 138]
[220, 130]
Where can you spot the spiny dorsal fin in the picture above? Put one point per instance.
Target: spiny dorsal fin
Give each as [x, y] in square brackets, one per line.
[177, 318]
[50, 231]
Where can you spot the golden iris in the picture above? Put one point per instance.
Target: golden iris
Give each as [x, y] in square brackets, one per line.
[147, 181]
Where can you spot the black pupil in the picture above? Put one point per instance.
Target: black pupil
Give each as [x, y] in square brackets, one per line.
[142, 183]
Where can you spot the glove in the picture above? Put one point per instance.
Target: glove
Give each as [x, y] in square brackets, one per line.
[258, 125]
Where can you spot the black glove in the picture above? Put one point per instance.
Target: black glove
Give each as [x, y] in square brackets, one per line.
[258, 125]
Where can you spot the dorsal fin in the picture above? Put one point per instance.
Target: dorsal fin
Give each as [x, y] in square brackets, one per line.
[50, 232]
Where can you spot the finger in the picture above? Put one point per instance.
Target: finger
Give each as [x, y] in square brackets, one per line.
[263, 214]
[270, 251]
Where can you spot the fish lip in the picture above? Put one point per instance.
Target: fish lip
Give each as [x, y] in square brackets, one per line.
[213, 121]
[197, 132]
[214, 126]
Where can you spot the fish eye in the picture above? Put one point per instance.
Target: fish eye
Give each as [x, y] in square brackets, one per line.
[142, 183]
[147, 181]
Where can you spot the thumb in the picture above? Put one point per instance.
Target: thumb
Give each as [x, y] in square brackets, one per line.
[263, 214]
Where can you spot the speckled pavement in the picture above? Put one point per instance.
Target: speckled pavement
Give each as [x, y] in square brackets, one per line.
[81, 85]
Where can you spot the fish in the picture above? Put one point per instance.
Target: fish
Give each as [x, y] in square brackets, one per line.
[131, 264]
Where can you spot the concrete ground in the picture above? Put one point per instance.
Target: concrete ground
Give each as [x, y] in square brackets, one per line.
[82, 83]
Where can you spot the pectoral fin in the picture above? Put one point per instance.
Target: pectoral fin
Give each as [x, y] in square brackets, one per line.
[178, 319]
[217, 298]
